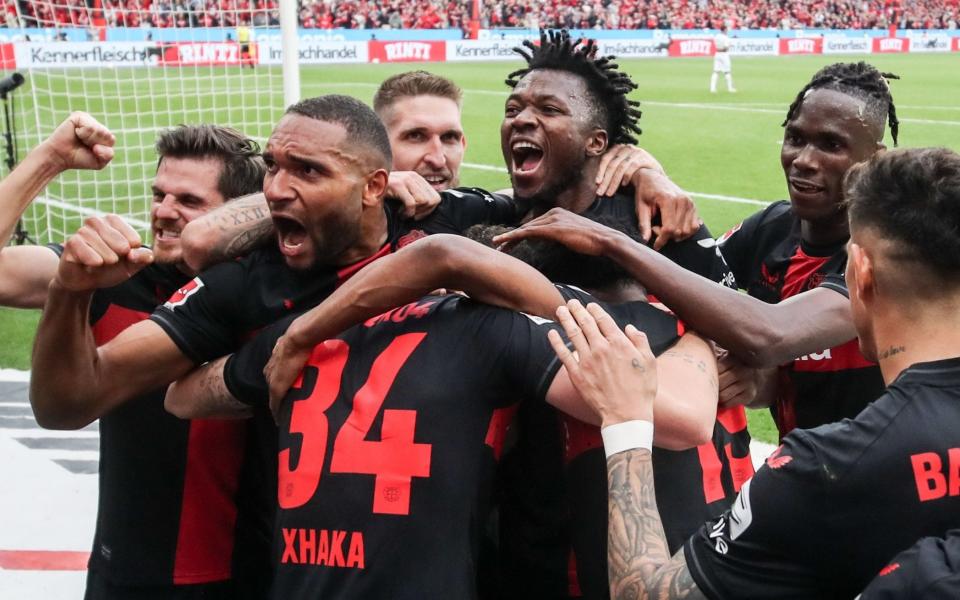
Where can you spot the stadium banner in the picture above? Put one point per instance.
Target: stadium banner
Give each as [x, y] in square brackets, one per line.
[956, 44]
[929, 43]
[633, 48]
[390, 52]
[754, 47]
[801, 46]
[8, 60]
[467, 50]
[691, 47]
[846, 45]
[315, 52]
[84, 54]
[195, 54]
[891, 45]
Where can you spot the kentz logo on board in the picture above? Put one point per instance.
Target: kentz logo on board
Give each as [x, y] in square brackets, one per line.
[407, 51]
[691, 48]
[891, 45]
[203, 53]
[801, 46]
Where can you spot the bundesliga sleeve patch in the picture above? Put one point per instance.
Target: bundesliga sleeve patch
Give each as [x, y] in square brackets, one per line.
[179, 297]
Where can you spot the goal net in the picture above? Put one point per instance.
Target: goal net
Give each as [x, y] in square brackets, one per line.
[137, 70]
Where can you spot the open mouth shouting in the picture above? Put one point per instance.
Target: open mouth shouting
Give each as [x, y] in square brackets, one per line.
[291, 236]
[526, 157]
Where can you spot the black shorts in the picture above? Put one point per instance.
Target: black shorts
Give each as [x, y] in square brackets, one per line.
[100, 588]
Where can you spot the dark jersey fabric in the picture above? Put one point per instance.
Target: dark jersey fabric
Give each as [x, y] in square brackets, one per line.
[388, 444]
[167, 510]
[772, 263]
[212, 315]
[930, 569]
[692, 485]
[834, 504]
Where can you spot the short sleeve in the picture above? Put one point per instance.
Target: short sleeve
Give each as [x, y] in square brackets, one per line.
[763, 546]
[739, 245]
[201, 317]
[699, 254]
[243, 371]
[461, 208]
[930, 569]
[837, 283]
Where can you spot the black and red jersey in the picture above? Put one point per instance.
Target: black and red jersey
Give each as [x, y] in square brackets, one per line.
[692, 485]
[388, 444]
[212, 315]
[930, 569]
[772, 262]
[167, 510]
[834, 504]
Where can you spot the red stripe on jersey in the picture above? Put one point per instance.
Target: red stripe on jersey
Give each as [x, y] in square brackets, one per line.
[839, 358]
[733, 418]
[351, 270]
[801, 268]
[497, 431]
[208, 513]
[573, 581]
[681, 328]
[711, 467]
[115, 320]
[741, 467]
[43, 560]
[578, 438]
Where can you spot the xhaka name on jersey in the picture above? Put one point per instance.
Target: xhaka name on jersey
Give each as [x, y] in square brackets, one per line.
[323, 547]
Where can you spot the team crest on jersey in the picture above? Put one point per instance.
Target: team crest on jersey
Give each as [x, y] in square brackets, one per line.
[180, 296]
[726, 236]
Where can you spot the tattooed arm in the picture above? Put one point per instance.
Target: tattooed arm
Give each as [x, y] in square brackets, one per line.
[202, 393]
[617, 375]
[640, 565]
[230, 231]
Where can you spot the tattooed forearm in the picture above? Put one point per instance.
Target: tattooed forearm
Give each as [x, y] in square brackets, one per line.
[247, 240]
[640, 565]
[695, 361]
[203, 393]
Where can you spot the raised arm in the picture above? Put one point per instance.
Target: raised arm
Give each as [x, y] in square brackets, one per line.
[685, 408]
[79, 381]
[80, 142]
[227, 232]
[438, 261]
[760, 334]
[617, 376]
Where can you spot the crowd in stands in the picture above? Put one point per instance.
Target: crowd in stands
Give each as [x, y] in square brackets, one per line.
[442, 14]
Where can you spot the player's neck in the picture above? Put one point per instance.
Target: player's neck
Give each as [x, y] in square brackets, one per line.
[373, 235]
[581, 194]
[922, 332]
[825, 232]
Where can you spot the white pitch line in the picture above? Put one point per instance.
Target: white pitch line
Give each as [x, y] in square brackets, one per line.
[14, 375]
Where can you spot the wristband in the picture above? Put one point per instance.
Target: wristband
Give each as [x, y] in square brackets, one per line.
[629, 435]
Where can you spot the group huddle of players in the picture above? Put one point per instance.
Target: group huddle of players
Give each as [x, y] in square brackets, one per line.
[336, 374]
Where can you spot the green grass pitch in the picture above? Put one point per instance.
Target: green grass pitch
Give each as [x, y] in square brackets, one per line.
[711, 144]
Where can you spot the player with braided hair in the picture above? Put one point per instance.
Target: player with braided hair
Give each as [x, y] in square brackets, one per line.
[790, 254]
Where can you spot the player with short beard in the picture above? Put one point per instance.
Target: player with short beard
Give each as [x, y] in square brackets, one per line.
[168, 521]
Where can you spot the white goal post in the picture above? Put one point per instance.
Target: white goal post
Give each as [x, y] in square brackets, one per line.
[193, 65]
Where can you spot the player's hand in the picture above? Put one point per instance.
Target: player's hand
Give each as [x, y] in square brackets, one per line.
[80, 142]
[738, 383]
[620, 164]
[615, 374]
[284, 367]
[106, 251]
[418, 197]
[564, 227]
[654, 193]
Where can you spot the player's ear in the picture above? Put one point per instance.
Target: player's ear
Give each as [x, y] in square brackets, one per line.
[375, 187]
[597, 142]
[861, 272]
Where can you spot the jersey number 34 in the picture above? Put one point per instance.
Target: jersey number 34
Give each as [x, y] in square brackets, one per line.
[393, 461]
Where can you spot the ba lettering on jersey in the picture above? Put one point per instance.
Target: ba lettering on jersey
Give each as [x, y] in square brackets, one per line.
[937, 475]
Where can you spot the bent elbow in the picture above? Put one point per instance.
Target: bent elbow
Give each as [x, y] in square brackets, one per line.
[176, 407]
[60, 420]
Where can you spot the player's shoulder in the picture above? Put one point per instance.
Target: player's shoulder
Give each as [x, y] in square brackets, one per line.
[470, 193]
[927, 570]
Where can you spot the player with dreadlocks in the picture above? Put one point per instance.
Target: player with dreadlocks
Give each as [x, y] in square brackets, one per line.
[790, 256]
[564, 109]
